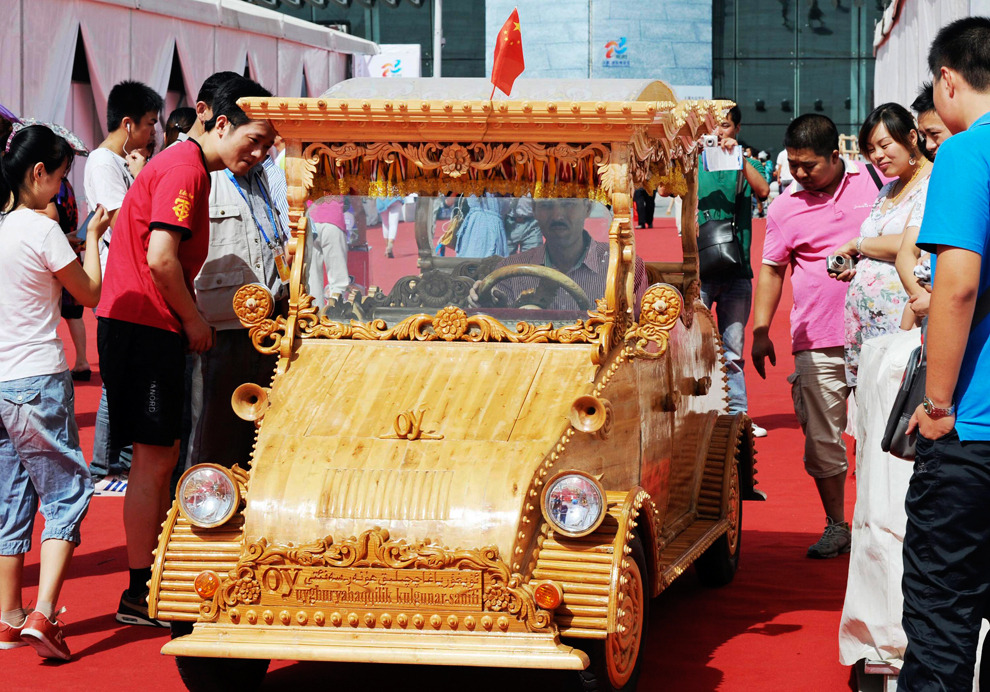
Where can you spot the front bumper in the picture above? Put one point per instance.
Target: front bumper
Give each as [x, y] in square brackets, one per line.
[503, 650]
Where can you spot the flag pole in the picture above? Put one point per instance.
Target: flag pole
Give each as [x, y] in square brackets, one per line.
[437, 36]
[493, 93]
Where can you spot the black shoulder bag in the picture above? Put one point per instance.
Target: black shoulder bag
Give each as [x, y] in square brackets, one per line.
[912, 391]
[719, 252]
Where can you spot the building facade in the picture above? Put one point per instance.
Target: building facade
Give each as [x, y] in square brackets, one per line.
[640, 39]
[404, 21]
[778, 59]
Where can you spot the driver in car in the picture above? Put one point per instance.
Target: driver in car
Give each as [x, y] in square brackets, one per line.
[568, 250]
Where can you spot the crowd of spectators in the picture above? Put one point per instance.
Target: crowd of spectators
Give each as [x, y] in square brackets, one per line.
[156, 299]
[173, 235]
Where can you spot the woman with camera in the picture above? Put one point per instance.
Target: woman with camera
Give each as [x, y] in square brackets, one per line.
[876, 298]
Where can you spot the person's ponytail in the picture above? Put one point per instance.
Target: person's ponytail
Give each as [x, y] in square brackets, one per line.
[6, 188]
[32, 145]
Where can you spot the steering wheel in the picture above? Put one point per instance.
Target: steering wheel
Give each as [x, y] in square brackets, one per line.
[511, 271]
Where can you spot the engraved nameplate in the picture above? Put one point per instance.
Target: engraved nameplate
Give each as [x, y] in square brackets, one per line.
[371, 587]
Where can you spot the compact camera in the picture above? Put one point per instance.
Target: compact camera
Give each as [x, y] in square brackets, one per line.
[839, 263]
[709, 141]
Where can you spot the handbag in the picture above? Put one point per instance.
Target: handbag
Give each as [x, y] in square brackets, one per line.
[719, 251]
[449, 236]
[895, 440]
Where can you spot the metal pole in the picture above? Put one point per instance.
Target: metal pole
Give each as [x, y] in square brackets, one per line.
[437, 35]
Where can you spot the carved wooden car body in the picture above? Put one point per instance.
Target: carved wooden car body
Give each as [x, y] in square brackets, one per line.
[400, 502]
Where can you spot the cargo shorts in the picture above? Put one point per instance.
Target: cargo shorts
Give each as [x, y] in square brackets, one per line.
[819, 391]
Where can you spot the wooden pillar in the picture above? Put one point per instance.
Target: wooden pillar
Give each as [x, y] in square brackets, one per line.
[689, 227]
[620, 286]
[297, 193]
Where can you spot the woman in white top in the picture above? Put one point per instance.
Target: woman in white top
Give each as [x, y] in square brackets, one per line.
[877, 298]
[40, 459]
[871, 615]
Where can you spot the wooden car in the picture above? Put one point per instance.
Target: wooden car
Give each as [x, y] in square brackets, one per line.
[502, 458]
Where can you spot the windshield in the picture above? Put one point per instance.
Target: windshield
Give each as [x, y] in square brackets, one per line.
[513, 258]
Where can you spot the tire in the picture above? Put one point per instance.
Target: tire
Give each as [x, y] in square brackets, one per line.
[717, 566]
[606, 673]
[201, 674]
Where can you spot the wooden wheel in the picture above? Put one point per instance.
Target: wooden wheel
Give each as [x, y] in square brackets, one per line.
[217, 674]
[622, 646]
[615, 662]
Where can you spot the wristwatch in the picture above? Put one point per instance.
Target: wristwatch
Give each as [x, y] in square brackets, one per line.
[934, 412]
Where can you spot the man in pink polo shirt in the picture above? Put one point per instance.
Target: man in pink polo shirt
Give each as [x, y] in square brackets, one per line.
[826, 205]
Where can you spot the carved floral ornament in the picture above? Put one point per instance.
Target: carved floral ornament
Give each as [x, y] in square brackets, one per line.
[455, 160]
[503, 592]
[661, 306]
[450, 323]
[386, 169]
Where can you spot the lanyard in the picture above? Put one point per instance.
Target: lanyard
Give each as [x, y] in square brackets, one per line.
[268, 210]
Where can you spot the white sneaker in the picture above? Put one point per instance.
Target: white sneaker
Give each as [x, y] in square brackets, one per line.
[111, 486]
[758, 431]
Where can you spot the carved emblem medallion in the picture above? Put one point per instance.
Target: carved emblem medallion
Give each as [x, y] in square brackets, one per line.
[662, 304]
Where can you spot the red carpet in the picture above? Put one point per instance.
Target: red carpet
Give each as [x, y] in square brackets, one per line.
[773, 628]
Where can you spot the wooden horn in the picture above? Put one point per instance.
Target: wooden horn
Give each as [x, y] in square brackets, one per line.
[250, 401]
[588, 413]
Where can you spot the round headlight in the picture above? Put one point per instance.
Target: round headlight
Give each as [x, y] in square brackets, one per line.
[574, 503]
[207, 495]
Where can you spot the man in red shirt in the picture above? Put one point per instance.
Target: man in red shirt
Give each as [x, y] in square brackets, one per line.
[148, 316]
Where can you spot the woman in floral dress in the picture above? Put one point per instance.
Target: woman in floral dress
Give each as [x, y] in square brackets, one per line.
[876, 297]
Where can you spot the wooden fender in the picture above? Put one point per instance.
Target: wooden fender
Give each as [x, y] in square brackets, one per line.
[184, 551]
[635, 503]
[731, 442]
[589, 569]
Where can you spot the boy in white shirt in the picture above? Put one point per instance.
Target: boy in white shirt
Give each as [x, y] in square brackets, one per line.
[133, 109]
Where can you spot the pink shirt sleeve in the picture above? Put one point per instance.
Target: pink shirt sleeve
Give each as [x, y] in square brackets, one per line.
[775, 249]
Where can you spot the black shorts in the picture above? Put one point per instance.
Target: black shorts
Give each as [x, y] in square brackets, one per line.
[71, 310]
[143, 369]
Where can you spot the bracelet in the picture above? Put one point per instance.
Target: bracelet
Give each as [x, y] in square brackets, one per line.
[859, 245]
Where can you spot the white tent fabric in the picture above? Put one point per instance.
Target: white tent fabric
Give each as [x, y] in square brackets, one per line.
[316, 65]
[902, 61]
[197, 54]
[135, 39]
[49, 44]
[290, 77]
[153, 63]
[109, 46]
[10, 55]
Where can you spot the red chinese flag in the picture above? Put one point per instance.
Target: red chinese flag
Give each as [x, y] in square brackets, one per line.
[508, 63]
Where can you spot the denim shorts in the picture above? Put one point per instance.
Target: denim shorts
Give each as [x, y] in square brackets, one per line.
[40, 459]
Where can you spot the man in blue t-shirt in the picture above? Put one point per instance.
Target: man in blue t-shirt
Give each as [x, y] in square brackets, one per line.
[947, 541]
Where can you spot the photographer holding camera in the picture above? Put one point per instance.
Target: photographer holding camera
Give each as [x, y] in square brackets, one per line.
[876, 297]
[724, 199]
